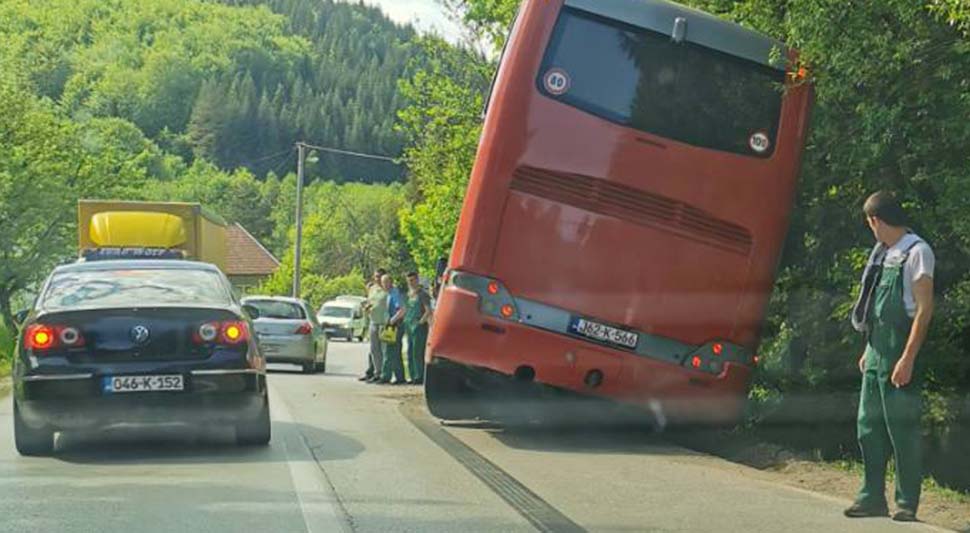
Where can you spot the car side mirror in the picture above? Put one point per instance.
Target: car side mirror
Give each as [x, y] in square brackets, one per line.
[20, 317]
[251, 310]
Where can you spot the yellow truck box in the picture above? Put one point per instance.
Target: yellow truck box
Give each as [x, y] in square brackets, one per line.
[162, 227]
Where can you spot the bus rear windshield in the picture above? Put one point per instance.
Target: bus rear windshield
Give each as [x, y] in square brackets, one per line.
[680, 91]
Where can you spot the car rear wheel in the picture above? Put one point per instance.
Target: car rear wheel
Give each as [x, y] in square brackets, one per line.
[309, 368]
[31, 441]
[322, 366]
[255, 432]
[446, 393]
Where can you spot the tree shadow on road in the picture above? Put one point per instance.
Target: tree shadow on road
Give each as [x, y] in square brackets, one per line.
[180, 445]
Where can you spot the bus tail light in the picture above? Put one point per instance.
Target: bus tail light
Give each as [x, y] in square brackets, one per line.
[494, 299]
[713, 356]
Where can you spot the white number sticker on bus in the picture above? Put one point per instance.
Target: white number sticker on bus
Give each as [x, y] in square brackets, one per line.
[760, 142]
[557, 81]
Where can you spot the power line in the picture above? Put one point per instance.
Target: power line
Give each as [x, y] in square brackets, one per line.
[350, 153]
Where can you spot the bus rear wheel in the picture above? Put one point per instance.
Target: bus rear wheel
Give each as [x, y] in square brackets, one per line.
[447, 395]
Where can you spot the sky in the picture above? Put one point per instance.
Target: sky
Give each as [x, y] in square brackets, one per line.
[425, 15]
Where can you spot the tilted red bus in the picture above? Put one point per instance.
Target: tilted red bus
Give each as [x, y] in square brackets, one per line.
[625, 216]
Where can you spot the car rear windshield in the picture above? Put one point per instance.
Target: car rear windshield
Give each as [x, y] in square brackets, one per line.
[337, 312]
[644, 80]
[135, 287]
[278, 309]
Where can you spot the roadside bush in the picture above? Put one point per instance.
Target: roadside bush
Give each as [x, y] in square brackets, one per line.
[7, 340]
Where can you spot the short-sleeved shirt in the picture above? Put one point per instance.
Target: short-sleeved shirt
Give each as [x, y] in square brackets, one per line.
[377, 297]
[393, 302]
[921, 262]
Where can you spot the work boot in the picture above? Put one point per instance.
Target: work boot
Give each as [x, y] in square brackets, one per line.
[904, 515]
[859, 510]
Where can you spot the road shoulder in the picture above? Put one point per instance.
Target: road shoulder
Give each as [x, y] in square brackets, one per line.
[940, 507]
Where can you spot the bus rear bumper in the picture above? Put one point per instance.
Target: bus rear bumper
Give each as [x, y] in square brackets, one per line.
[674, 394]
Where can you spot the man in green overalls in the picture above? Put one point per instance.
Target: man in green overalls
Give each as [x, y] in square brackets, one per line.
[894, 310]
[417, 314]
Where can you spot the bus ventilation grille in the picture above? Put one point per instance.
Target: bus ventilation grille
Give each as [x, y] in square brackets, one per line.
[639, 207]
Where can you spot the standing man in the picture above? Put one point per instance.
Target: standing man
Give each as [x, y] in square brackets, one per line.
[894, 310]
[393, 365]
[417, 314]
[376, 307]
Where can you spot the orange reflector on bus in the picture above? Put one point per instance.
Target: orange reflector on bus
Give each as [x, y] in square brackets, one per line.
[507, 311]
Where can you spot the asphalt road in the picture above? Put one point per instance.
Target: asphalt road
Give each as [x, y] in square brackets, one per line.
[346, 456]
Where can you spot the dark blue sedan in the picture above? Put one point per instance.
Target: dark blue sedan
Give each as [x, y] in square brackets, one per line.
[138, 342]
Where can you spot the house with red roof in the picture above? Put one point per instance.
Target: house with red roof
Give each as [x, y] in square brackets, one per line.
[248, 262]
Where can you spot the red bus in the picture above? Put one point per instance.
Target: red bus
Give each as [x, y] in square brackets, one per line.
[625, 216]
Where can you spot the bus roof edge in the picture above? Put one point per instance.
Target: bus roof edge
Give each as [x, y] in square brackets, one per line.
[702, 28]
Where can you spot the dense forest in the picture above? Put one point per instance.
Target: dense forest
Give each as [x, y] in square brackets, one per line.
[235, 85]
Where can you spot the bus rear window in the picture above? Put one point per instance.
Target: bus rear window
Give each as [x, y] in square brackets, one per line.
[680, 91]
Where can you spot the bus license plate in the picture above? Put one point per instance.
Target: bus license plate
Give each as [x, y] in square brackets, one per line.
[604, 333]
[116, 384]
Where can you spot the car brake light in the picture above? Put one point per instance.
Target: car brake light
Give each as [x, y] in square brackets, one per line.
[717, 348]
[234, 332]
[492, 287]
[507, 311]
[39, 337]
[304, 329]
[230, 332]
[696, 361]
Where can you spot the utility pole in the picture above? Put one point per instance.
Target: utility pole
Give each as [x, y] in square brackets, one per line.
[301, 148]
[301, 155]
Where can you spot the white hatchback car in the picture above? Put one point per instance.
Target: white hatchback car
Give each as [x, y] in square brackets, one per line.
[343, 318]
[288, 332]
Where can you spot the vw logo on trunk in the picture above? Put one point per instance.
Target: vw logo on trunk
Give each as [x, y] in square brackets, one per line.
[140, 334]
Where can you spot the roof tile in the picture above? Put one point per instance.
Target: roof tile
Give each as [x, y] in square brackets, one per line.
[245, 255]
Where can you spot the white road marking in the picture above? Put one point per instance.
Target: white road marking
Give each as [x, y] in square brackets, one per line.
[318, 503]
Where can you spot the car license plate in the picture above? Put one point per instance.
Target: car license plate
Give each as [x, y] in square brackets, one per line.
[115, 384]
[604, 333]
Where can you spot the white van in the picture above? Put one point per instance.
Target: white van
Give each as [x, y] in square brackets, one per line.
[342, 318]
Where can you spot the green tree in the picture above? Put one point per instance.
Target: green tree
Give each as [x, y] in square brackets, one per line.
[442, 125]
[47, 162]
